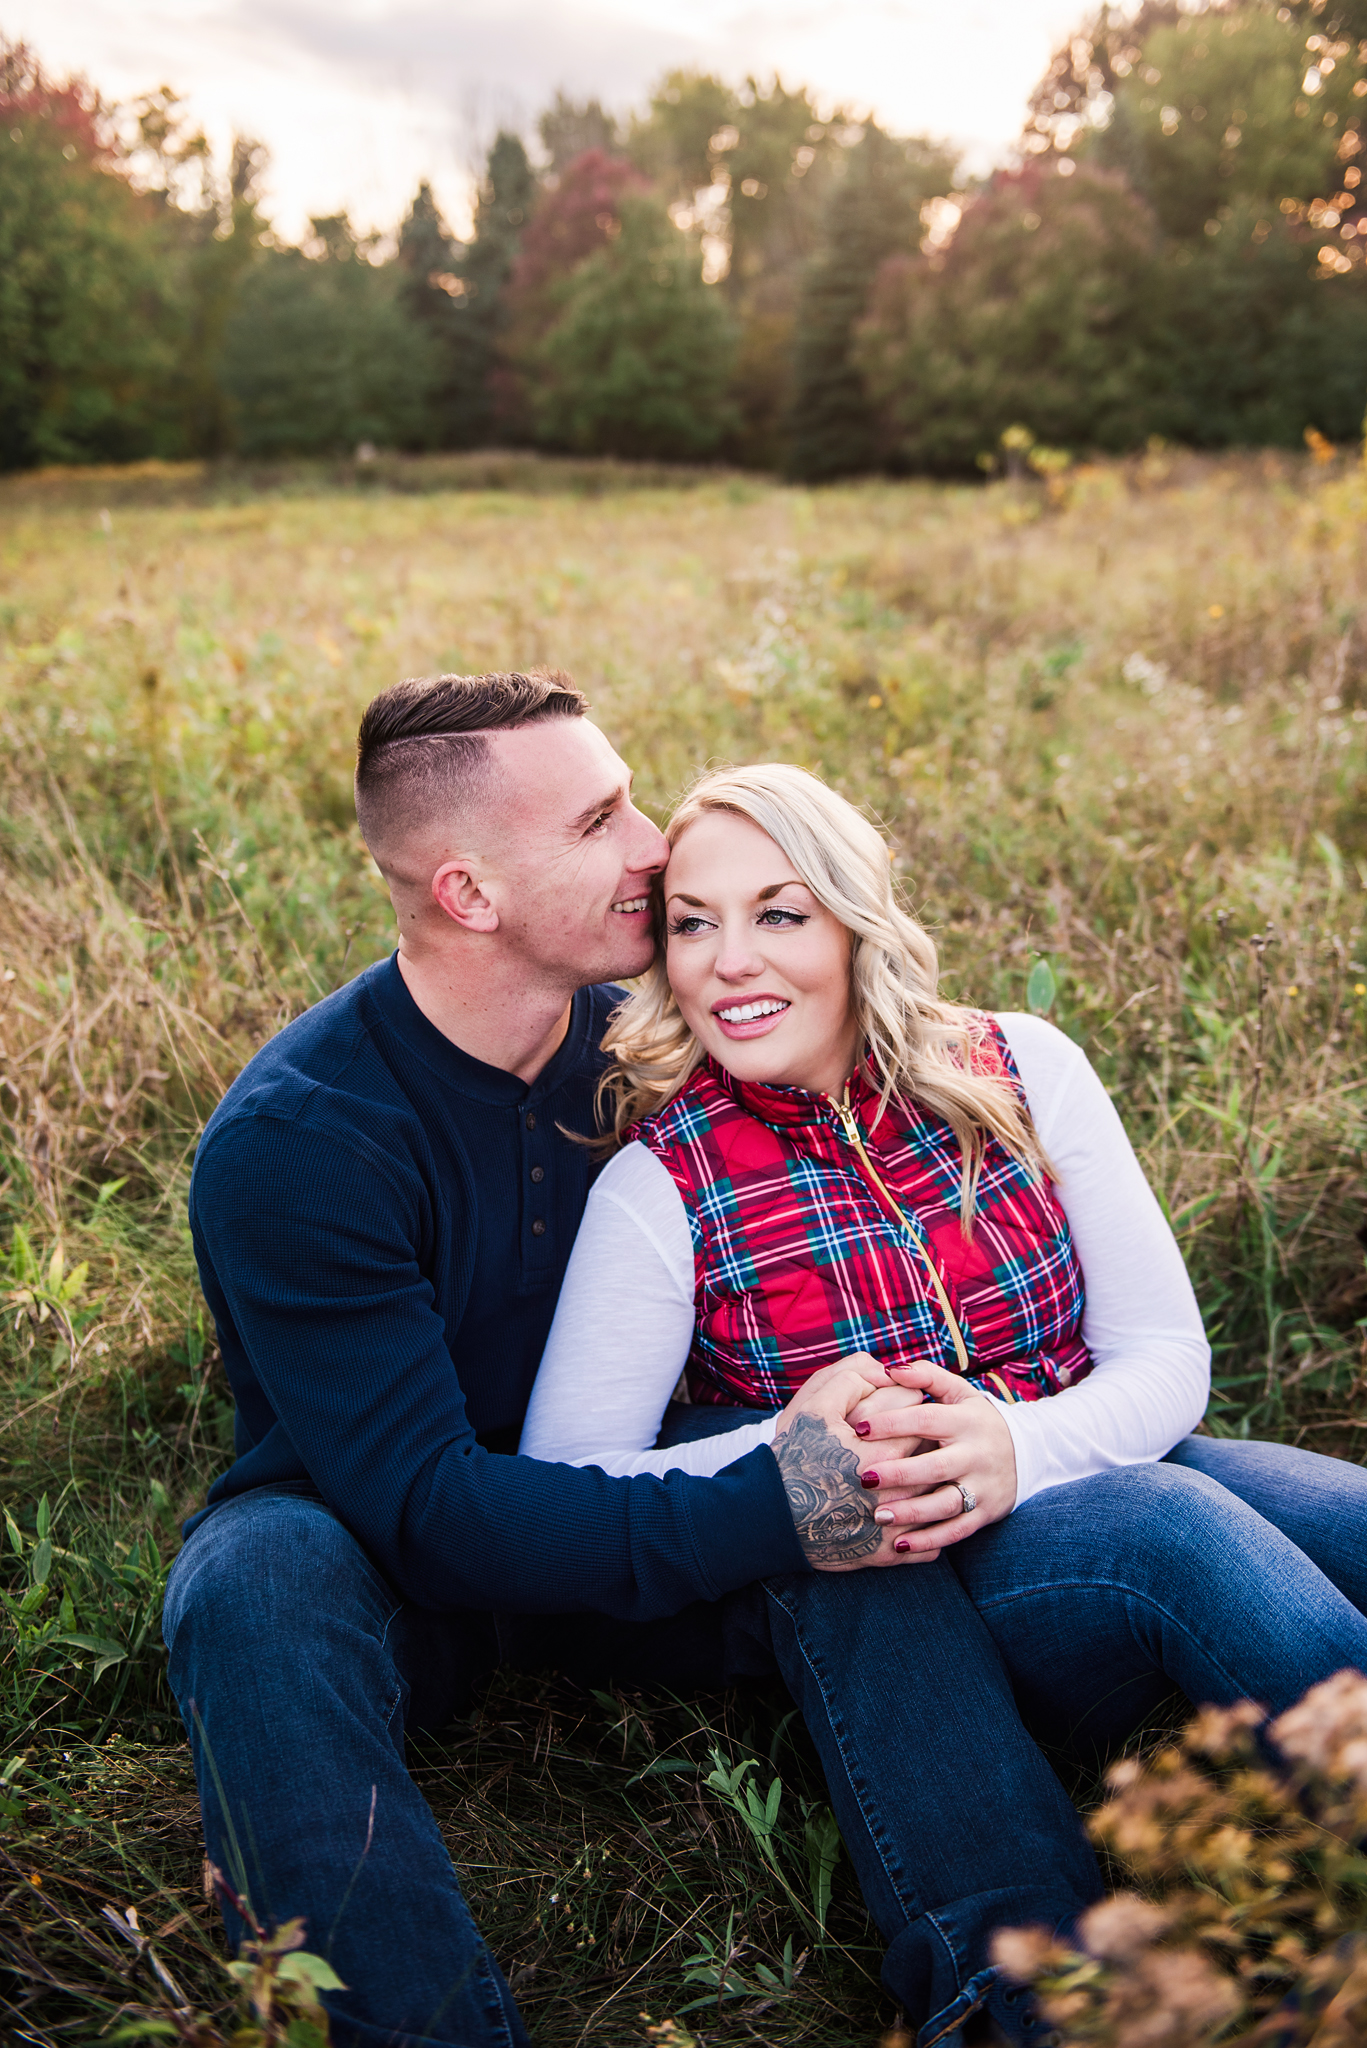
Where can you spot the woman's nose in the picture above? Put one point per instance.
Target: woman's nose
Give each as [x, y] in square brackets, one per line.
[737, 959]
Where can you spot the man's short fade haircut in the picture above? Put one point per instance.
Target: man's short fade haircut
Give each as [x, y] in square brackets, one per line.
[423, 749]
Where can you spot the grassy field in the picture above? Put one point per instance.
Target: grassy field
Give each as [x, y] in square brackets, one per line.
[1120, 730]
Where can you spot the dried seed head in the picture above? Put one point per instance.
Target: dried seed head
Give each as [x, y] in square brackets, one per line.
[1121, 1928]
[1327, 1730]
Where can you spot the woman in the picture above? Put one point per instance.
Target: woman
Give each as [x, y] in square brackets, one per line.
[818, 1156]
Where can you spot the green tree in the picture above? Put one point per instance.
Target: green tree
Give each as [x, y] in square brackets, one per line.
[1254, 345]
[1253, 103]
[569, 127]
[638, 362]
[1040, 312]
[1243, 127]
[576, 214]
[480, 377]
[748, 170]
[430, 288]
[320, 352]
[89, 324]
[872, 213]
[212, 229]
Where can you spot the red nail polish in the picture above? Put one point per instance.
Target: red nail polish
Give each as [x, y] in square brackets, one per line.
[902, 1545]
[861, 1428]
[869, 1479]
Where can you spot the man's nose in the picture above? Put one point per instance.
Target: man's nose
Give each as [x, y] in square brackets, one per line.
[650, 848]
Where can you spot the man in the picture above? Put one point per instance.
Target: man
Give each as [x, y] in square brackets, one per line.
[383, 1206]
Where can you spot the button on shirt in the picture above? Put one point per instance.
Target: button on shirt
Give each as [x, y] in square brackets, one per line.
[382, 1224]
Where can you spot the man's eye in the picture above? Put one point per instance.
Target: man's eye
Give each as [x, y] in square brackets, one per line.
[779, 919]
[600, 823]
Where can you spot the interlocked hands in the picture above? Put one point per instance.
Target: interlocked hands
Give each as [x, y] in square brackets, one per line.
[869, 1458]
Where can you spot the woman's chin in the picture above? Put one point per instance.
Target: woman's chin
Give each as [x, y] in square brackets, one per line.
[754, 1059]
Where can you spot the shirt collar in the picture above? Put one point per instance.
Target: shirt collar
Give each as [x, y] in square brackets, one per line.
[790, 1108]
[461, 1070]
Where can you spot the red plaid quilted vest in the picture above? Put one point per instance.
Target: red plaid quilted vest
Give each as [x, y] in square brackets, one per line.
[797, 1262]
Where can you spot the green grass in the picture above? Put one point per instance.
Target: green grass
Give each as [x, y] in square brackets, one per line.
[1122, 734]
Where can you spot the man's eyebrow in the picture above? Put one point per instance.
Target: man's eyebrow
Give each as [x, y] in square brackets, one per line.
[593, 810]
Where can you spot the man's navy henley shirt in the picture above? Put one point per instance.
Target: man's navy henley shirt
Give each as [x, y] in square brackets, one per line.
[382, 1224]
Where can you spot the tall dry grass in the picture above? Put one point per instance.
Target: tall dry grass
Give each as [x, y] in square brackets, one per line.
[1120, 731]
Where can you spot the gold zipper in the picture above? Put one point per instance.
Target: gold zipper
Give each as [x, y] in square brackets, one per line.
[846, 1115]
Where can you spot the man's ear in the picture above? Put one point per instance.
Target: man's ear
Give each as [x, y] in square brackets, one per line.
[457, 891]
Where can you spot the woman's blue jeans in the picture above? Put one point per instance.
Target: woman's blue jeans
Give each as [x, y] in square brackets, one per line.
[1230, 1570]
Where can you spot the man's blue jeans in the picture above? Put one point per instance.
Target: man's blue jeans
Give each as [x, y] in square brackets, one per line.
[1231, 1570]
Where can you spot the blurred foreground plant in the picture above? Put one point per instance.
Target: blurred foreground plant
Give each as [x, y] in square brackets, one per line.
[1252, 1922]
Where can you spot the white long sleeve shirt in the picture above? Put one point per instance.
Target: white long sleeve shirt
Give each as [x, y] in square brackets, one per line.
[624, 1323]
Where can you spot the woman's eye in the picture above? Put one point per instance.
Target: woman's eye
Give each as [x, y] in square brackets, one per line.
[684, 927]
[779, 919]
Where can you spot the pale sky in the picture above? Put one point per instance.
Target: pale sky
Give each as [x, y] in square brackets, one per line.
[359, 99]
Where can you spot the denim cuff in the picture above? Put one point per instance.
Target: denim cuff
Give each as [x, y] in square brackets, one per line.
[943, 2027]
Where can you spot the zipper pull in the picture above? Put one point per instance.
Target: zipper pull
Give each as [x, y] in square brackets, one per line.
[846, 1118]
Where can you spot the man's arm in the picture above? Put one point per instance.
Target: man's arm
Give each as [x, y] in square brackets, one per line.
[307, 1251]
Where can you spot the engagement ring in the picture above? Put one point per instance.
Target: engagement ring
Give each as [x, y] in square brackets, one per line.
[970, 1499]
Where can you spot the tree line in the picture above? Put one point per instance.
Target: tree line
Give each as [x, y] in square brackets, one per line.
[1179, 248]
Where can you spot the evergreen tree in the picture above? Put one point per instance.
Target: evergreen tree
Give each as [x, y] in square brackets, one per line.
[321, 353]
[638, 362]
[569, 127]
[506, 201]
[873, 212]
[430, 286]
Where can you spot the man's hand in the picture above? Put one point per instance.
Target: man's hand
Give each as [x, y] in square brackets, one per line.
[973, 1445]
[818, 1454]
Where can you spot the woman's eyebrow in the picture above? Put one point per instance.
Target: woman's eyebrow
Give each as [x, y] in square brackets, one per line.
[763, 896]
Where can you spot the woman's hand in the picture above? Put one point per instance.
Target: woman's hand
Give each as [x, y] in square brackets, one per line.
[917, 1495]
[840, 1520]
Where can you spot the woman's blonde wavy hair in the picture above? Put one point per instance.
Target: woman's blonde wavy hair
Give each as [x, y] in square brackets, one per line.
[919, 1046]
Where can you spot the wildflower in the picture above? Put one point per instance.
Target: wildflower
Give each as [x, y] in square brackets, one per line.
[1122, 1927]
[1327, 1730]
[1025, 1953]
[1215, 611]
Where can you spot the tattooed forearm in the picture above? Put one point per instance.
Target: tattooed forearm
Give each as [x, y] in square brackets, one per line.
[833, 1513]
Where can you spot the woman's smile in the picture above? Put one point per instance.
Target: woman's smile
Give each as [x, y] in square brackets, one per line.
[753, 1018]
[759, 967]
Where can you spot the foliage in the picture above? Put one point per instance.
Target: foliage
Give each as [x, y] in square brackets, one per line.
[476, 368]
[1202, 110]
[1252, 346]
[429, 290]
[88, 323]
[1159, 266]
[1119, 734]
[1040, 310]
[637, 362]
[872, 213]
[1200, 278]
[749, 169]
[319, 352]
[567, 129]
[1252, 1919]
